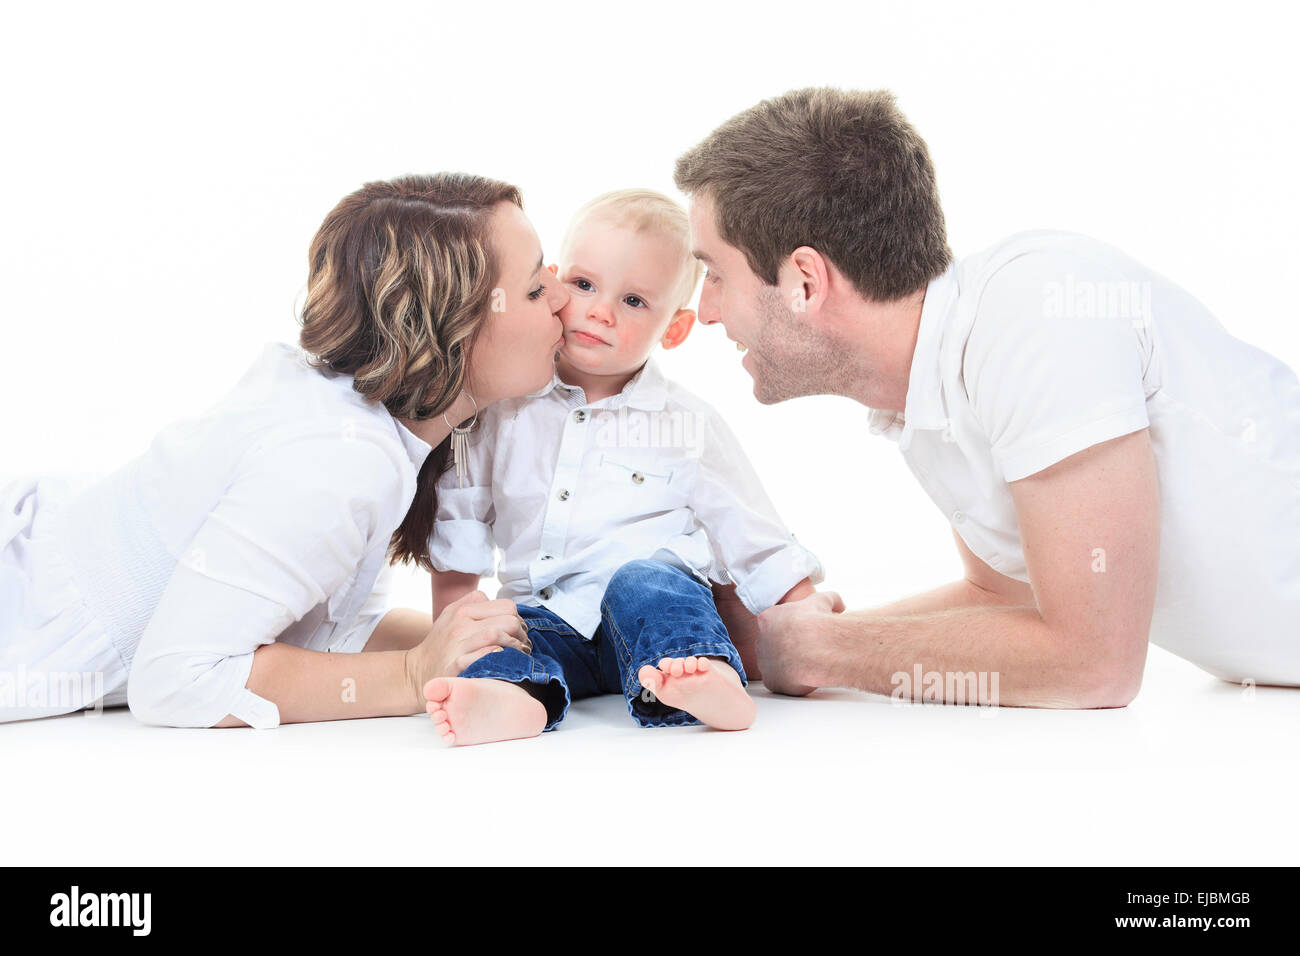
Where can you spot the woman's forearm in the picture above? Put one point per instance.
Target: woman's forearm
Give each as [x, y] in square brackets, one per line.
[399, 630]
[314, 685]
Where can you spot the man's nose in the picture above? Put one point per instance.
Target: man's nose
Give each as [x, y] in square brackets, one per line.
[708, 313]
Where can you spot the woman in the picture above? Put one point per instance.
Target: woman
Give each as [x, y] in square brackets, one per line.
[206, 582]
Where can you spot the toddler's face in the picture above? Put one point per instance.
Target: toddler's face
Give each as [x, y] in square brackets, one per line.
[621, 287]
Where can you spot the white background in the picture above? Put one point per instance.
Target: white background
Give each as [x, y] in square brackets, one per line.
[165, 167]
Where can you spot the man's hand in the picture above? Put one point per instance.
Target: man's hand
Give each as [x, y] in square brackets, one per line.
[791, 638]
[742, 625]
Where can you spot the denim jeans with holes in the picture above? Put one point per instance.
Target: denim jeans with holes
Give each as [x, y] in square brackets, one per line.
[651, 610]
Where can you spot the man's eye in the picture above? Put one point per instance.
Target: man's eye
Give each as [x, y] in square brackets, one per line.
[635, 301]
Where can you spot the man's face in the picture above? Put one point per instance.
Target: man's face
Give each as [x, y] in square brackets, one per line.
[783, 355]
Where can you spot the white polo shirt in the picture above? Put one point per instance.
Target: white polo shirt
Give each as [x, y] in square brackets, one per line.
[570, 490]
[1051, 342]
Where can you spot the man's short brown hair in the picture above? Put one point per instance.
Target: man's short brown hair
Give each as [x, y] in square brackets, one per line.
[842, 171]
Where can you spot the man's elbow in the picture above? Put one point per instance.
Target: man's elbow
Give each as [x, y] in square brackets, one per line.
[1113, 679]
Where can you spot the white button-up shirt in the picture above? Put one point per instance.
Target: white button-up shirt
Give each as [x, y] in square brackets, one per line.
[266, 518]
[570, 490]
[1051, 342]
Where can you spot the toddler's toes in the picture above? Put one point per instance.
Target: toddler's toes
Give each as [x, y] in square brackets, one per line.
[649, 678]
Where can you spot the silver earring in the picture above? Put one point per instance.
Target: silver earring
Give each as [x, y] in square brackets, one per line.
[460, 444]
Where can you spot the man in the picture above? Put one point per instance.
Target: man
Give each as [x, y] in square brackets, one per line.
[1115, 466]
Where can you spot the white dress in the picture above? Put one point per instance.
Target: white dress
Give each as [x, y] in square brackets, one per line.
[266, 518]
[55, 657]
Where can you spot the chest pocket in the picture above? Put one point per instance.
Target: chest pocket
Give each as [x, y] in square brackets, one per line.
[646, 483]
[634, 474]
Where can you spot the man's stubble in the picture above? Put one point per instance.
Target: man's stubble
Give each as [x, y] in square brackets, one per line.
[790, 359]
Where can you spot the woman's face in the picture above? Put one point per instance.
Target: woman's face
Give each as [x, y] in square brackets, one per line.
[515, 351]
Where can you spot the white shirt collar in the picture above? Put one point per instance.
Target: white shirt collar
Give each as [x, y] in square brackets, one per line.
[924, 403]
[417, 449]
[646, 390]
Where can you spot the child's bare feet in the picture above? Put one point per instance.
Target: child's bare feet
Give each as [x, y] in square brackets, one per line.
[709, 690]
[480, 710]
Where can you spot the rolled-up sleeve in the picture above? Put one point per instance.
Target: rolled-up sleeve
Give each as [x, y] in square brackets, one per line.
[462, 529]
[289, 532]
[760, 554]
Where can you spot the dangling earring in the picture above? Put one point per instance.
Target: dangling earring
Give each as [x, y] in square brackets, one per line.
[460, 444]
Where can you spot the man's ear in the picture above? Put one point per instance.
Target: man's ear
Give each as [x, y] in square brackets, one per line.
[806, 279]
[678, 328]
[555, 269]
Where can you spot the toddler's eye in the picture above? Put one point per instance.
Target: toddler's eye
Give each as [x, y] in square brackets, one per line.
[583, 285]
[635, 301]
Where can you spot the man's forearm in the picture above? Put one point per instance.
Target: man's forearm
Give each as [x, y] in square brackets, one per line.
[1010, 652]
[946, 597]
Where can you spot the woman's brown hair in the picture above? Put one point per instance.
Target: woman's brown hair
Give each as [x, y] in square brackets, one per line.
[400, 279]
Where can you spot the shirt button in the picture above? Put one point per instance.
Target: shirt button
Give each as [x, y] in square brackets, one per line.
[580, 416]
[547, 557]
[564, 494]
[958, 517]
[638, 477]
[545, 594]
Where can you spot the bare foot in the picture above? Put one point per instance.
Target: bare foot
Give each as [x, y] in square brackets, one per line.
[709, 690]
[480, 710]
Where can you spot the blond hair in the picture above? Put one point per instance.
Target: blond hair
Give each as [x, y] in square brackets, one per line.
[644, 211]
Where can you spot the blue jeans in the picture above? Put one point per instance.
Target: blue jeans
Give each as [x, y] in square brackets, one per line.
[650, 610]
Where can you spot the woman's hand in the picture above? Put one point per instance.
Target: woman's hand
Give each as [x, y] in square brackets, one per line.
[467, 629]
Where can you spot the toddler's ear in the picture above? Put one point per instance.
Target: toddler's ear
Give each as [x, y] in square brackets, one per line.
[555, 269]
[678, 328]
